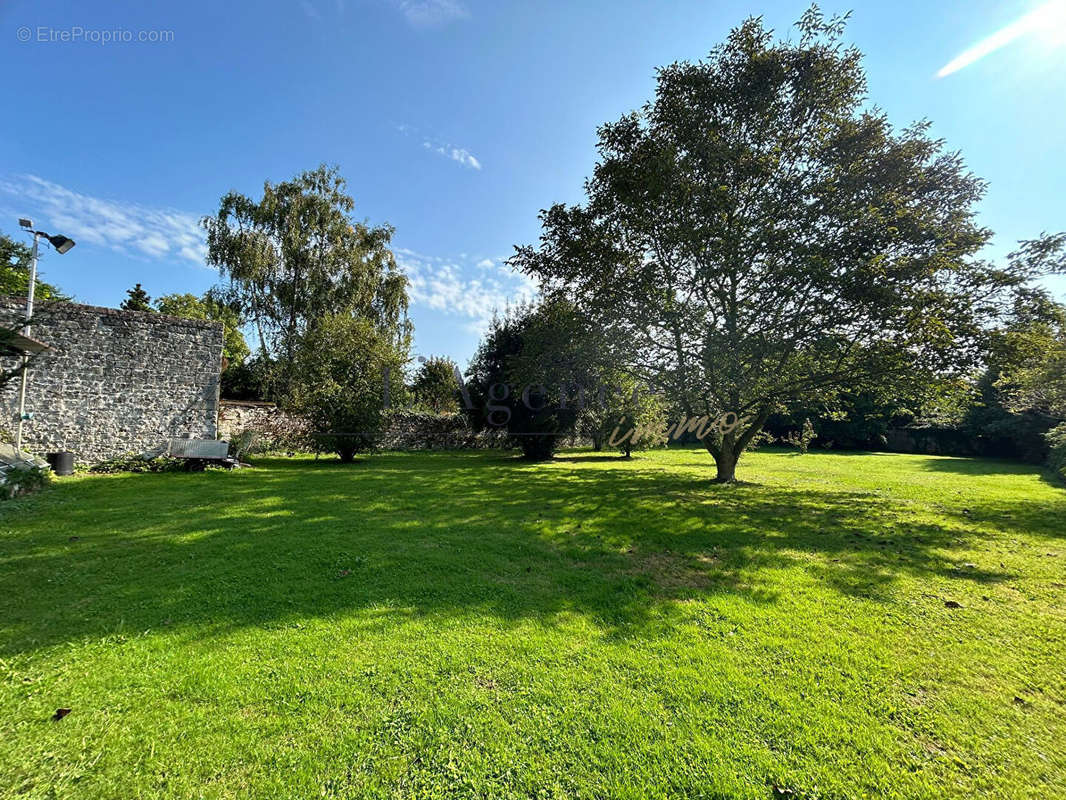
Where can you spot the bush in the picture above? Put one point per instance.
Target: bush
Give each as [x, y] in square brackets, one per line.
[435, 386]
[137, 464]
[1056, 440]
[241, 444]
[801, 439]
[23, 479]
[341, 376]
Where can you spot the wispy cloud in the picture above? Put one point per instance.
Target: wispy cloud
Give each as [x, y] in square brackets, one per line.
[460, 288]
[460, 155]
[1050, 16]
[429, 13]
[153, 233]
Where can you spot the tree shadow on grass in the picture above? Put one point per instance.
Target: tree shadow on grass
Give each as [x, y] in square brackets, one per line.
[443, 534]
[595, 458]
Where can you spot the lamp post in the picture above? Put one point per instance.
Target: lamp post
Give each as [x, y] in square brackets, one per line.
[62, 245]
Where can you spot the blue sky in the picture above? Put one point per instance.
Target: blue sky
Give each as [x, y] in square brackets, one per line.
[453, 120]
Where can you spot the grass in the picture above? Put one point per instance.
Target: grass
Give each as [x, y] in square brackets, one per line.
[467, 625]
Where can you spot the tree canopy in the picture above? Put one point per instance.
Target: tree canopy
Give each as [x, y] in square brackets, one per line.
[339, 382]
[1031, 357]
[435, 385]
[758, 235]
[527, 375]
[295, 256]
[137, 299]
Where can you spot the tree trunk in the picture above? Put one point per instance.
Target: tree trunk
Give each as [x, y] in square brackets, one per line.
[726, 454]
[726, 462]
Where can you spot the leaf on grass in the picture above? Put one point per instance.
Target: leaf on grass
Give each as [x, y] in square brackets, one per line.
[952, 604]
[60, 713]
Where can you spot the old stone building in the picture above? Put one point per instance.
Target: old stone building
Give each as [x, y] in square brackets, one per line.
[114, 382]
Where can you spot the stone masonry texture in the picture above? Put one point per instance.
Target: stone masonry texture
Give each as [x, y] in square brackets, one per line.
[113, 382]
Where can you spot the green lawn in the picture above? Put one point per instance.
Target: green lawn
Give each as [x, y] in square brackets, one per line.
[467, 625]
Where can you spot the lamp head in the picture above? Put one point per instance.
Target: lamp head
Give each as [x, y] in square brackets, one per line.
[61, 243]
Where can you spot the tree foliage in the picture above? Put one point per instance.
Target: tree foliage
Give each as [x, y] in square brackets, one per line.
[15, 272]
[527, 376]
[435, 386]
[1030, 357]
[295, 257]
[207, 307]
[137, 299]
[622, 414]
[760, 236]
[339, 376]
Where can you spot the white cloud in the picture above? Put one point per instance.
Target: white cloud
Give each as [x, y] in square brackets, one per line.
[460, 155]
[460, 290]
[152, 233]
[428, 13]
[463, 156]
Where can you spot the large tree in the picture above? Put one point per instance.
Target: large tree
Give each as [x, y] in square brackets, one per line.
[760, 235]
[295, 256]
[533, 374]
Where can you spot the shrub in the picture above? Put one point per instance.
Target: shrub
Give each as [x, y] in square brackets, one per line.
[341, 377]
[137, 464]
[23, 479]
[419, 430]
[1056, 440]
[241, 444]
[801, 439]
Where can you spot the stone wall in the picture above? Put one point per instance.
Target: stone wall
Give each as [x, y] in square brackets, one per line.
[272, 428]
[114, 382]
[278, 430]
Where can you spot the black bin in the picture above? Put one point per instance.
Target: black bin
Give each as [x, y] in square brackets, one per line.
[62, 463]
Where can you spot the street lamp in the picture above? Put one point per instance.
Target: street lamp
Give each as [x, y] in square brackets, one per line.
[62, 245]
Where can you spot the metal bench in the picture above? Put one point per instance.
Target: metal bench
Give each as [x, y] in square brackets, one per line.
[198, 452]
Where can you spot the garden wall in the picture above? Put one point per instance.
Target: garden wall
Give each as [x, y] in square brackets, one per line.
[114, 382]
[275, 429]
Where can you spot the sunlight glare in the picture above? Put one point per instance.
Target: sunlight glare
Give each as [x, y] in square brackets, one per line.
[1047, 21]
